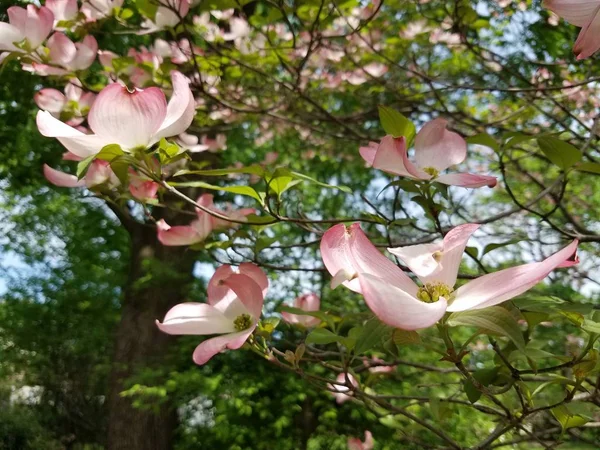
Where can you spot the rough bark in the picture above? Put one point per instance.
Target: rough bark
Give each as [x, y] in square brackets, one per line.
[158, 279]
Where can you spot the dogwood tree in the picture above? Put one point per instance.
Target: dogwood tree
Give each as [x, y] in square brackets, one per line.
[331, 185]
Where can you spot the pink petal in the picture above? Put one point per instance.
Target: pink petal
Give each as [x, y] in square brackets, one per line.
[196, 319]
[62, 9]
[165, 17]
[369, 260]
[419, 258]
[396, 307]
[588, 41]
[75, 141]
[497, 287]
[98, 173]
[8, 35]
[129, 119]
[62, 49]
[576, 12]
[44, 70]
[144, 191]
[349, 251]
[179, 235]
[339, 391]
[249, 293]
[335, 251]
[306, 302]
[51, 100]
[61, 179]
[180, 110]
[38, 25]
[467, 180]
[209, 348]
[86, 53]
[257, 275]
[216, 289]
[437, 147]
[455, 243]
[390, 156]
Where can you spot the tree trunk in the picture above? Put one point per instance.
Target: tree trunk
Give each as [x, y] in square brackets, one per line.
[158, 279]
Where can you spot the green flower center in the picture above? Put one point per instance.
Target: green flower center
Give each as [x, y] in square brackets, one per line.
[431, 171]
[431, 292]
[242, 322]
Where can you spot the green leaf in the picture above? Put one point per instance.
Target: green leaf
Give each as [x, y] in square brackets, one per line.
[396, 124]
[550, 304]
[281, 184]
[405, 337]
[83, 166]
[110, 152]
[560, 153]
[147, 8]
[301, 176]
[485, 377]
[515, 138]
[371, 335]
[589, 167]
[567, 419]
[472, 251]
[241, 190]
[485, 140]
[120, 166]
[494, 319]
[590, 326]
[254, 170]
[321, 336]
[488, 248]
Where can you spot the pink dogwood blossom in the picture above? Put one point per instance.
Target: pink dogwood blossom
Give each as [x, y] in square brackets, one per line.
[436, 149]
[99, 9]
[168, 14]
[30, 25]
[98, 173]
[306, 302]
[357, 444]
[63, 9]
[398, 301]
[233, 308]
[199, 229]
[343, 393]
[132, 119]
[584, 14]
[73, 105]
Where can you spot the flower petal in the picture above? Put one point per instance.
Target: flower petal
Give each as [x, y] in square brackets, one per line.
[62, 9]
[348, 252]
[180, 110]
[397, 308]
[50, 99]
[86, 53]
[257, 274]
[437, 147]
[248, 291]
[588, 41]
[209, 348]
[38, 25]
[8, 35]
[369, 260]
[195, 318]
[179, 235]
[61, 179]
[75, 141]
[390, 156]
[336, 255]
[576, 12]
[129, 119]
[62, 49]
[497, 287]
[467, 180]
